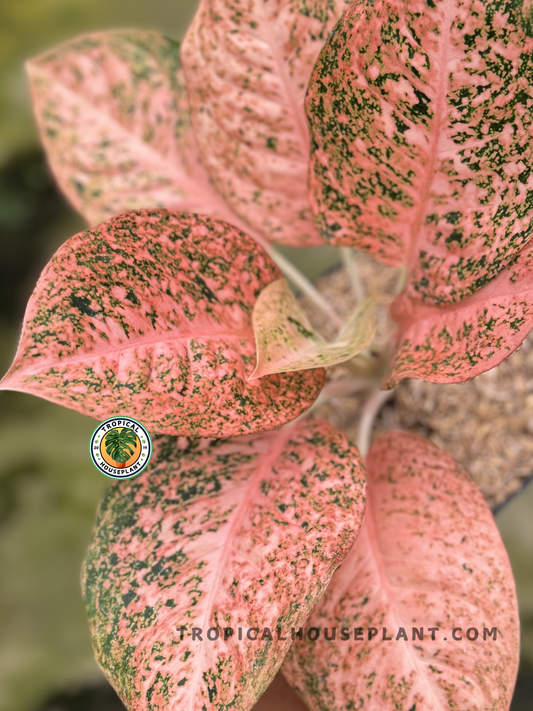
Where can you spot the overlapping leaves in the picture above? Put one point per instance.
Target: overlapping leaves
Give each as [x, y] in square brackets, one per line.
[422, 135]
[150, 313]
[114, 117]
[247, 66]
[450, 344]
[428, 557]
[421, 126]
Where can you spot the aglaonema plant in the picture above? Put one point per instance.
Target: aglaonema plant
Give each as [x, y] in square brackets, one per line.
[399, 128]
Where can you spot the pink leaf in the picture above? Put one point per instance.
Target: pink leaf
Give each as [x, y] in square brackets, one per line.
[453, 343]
[113, 117]
[247, 66]
[420, 117]
[238, 534]
[428, 555]
[150, 314]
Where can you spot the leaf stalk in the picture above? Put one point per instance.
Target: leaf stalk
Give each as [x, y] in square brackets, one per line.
[301, 282]
[349, 259]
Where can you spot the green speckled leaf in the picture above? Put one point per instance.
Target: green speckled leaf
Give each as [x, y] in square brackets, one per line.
[421, 115]
[247, 65]
[150, 315]
[114, 120]
[428, 556]
[455, 342]
[286, 341]
[244, 534]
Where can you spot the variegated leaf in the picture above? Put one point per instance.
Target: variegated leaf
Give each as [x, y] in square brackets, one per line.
[450, 344]
[286, 341]
[247, 65]
[240, 534]
[150, 314]
[428, 556]
[113, 117]
[421, 117]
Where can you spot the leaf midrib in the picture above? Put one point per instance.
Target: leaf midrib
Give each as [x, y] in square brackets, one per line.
[298, 114]
[94, 355]
[267, 458]
[153, 156]
[435, 134]
[393, 612]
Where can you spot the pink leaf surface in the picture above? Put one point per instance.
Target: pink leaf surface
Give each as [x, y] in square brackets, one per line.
[450, 344]
[150, 314]
[242, 534]
[428, 555]
[247, 66]
[114, 119]
[421, 121]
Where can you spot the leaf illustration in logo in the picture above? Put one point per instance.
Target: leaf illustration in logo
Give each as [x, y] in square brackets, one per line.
[429, 555]
[286, 341]
[150, 313]
[114, 120]
[247, 66]
[120, 444]
[244, 533]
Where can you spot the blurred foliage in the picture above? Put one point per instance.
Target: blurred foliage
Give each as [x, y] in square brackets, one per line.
[94, 698]
[312, 261]
[515, 522]
[49, 492]
[29, 27]
[34, 221]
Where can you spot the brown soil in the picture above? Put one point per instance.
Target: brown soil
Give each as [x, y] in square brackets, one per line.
[486, 424]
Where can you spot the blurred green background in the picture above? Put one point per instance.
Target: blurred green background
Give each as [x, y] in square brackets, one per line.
[49, 492]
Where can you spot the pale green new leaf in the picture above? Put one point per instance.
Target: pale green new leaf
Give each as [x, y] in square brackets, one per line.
[286, 341]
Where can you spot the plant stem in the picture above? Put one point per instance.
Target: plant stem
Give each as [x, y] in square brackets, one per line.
[338, 388]
[402, 280]
[302, 282]
[344, 386]
[349, 259]
[370, 411]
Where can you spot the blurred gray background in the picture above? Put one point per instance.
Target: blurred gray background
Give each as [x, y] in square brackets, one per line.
[49, 490]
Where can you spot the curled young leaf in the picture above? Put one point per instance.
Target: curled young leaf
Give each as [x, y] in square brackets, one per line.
[247, 66]
[286, 341]
[241, 535]
[150, 314]
[421, 116]
[114, 120]
[426, 581]
[451, 344]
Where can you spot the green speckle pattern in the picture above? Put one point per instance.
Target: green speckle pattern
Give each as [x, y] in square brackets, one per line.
[227, 534]
[247, 65]
[113, 116]
[429, 555]
[421, 118]
[150, 315]
[451, 344]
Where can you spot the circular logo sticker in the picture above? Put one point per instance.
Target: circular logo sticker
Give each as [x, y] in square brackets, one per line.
[120, 447]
